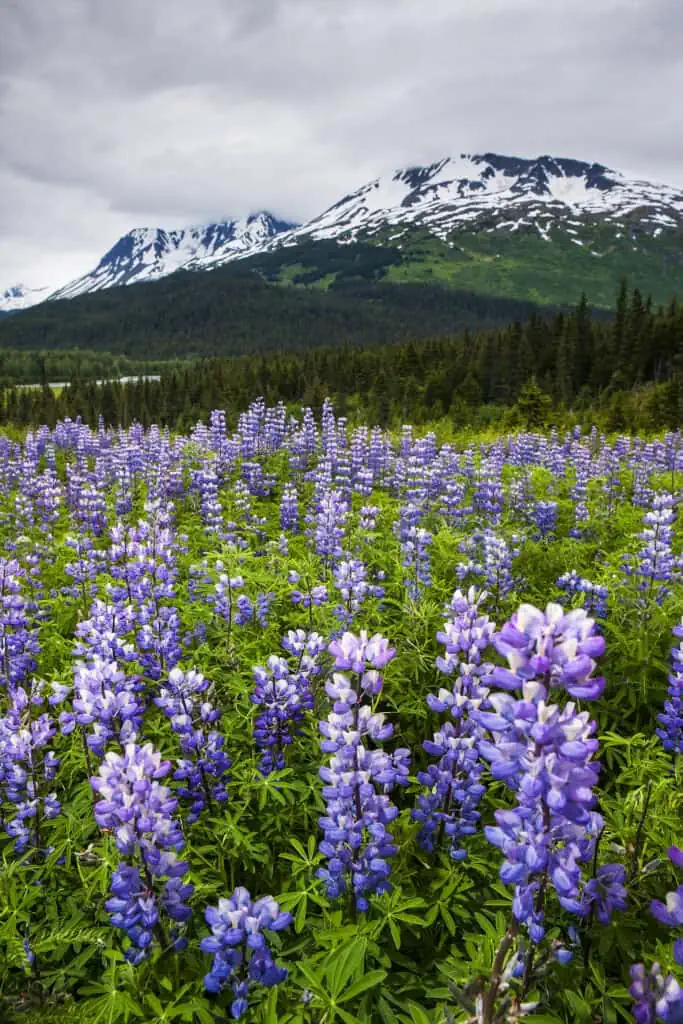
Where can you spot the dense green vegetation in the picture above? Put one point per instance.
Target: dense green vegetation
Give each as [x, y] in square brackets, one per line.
[240, 309]
[523, 265]
[42, 366]
[625, 373]
[151, 589]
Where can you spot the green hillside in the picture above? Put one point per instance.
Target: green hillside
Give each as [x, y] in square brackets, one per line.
[298, 298]
[524, 265]
[371, 292]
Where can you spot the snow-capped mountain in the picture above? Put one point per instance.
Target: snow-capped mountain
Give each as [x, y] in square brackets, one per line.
[20, 297]
[549, 197]
[495, 193]
[145, 254]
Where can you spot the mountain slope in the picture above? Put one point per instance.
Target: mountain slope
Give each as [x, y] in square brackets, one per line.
[541, 229]
[236, 310]
[494, 193]
[145, 254]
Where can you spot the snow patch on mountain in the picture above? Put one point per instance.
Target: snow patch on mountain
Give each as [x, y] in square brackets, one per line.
[470, 193]
[18, 296]
[146, 254]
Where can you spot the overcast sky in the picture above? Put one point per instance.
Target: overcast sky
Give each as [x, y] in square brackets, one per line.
[172, 112]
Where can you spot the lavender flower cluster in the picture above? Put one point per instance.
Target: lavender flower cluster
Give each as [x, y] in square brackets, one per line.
[358, 779]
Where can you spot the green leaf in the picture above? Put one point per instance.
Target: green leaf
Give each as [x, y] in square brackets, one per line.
[298, 847]
[300, 916]
[385, 1012]
[346, 1016]
[154, 1002]
[270, 1008]
[368, 980]
[412, 919]
[314, 980]
[113, 954]
[205, 1016]
[346, 962]
[418, 1014]
[581, 1009]
[395, 933]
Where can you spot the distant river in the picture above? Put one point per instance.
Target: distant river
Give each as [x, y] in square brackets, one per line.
[106, 380]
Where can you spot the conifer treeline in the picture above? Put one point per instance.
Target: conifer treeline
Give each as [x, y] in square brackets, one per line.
[630, 367]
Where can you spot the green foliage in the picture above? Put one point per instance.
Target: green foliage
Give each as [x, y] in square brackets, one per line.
[418, 956]
[240, 308]
[511, 375]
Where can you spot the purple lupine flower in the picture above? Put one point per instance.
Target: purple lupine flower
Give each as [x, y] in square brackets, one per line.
[139, 810]
[357, 843]
[18, 637]
[490, 561]
[327, 524]
[351, 580]
[311, 596]
[545, 753]
[578, 493]
[241, 955]
[454, 786]
[453, 507]
[606, 892]
[258, 483]
[466, 634]
[454, 790]
[203, 771]
[671, 912]
[544, 516]
[289, 509]
[554, 647]
[656, 997]
[521, 496]
[28, 766]
[489, 498]
[228, 603]
[670, 720]
[158, 639]
[105, 634]
[596, 596]
[415, 544]
[654, 567]
[205, 482]
[306, 647]
[262, 609]
[285, 695]
[367, 519]
[106, 703]
[143, 557]
[84, 569]
[143, 560]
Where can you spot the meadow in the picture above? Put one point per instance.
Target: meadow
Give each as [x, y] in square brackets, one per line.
[310, 723]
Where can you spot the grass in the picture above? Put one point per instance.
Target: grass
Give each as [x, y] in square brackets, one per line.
[517, 265]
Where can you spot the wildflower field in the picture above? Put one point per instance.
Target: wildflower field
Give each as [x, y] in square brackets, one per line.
[306, 723]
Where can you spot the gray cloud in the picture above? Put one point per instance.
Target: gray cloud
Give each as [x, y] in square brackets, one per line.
[172, 112]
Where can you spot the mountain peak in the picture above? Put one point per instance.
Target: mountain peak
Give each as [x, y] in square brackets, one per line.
[145, 254]
[468, 194]
[492, 192]
[19, 296]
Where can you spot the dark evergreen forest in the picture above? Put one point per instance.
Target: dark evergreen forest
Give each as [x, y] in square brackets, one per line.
[626, 373]
[238, 310]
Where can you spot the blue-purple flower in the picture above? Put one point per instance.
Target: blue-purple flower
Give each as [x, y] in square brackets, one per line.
[241, 954]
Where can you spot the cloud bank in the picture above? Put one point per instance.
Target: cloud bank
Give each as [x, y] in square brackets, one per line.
[172, 112]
